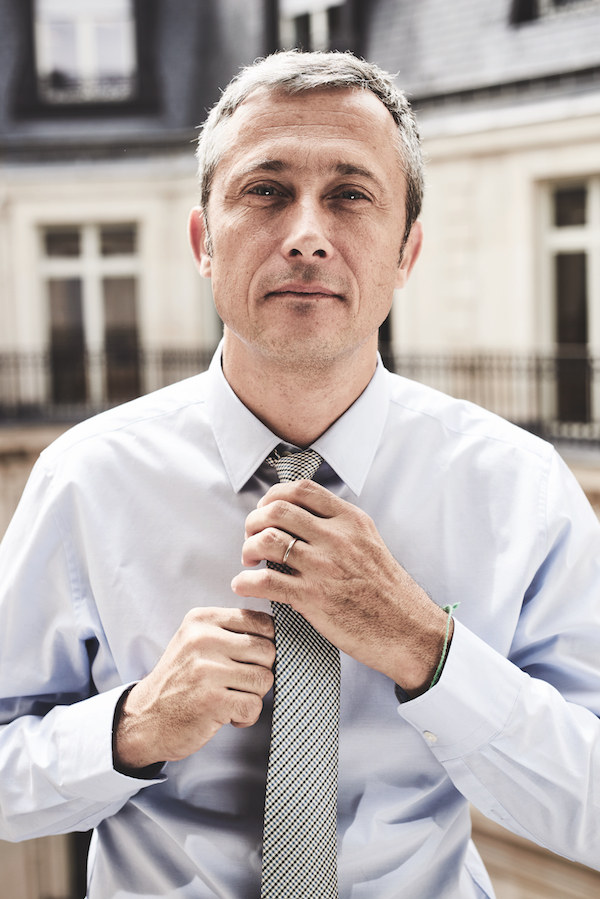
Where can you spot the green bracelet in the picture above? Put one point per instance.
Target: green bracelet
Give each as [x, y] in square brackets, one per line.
[440, 667]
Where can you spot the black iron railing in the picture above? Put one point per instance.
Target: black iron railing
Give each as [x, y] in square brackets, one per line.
[556, 395]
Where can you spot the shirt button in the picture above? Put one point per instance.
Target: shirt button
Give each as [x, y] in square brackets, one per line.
[431, 738]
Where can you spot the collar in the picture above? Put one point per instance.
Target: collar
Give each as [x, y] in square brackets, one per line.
[348, 446]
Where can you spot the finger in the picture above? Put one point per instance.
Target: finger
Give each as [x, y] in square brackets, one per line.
[213, 642]
[286, 517]
[255, 679]
[251, 650]
[306, 495]
[267, 583]
[239, 621]
[270, 545]
[245, 709]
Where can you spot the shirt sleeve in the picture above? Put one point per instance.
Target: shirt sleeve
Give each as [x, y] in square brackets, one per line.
[520, 736]
[55, 728]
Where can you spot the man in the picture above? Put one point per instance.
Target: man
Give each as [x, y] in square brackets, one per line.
[136, 625]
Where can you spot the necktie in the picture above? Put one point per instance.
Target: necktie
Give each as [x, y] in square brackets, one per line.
[300, 844]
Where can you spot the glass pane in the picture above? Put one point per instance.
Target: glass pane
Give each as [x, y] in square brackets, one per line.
[298, 7]
[85, 50]
[62, 52]
[319, 31]
[121, 339]
[572, 368]
[118, 240]
[569, 206]
[114, 50]
[67, 10]
[65, 303]
[62, 241]
[524, 11]
[119, 303]
[302, 32]
[67, 344]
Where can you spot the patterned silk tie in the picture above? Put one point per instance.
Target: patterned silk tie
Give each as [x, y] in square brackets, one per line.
[300, 842]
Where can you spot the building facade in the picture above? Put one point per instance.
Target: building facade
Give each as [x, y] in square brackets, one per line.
[508, 98]
[98, 113]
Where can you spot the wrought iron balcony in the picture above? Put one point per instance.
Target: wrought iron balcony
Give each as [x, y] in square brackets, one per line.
[555, 395]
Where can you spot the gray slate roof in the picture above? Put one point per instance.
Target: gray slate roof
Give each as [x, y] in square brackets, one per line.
[443, 46]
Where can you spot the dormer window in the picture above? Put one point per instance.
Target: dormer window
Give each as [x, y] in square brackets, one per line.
[85, 52]
[309, 24]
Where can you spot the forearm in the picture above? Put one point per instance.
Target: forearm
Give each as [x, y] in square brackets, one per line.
[515, 748]
[57, 771]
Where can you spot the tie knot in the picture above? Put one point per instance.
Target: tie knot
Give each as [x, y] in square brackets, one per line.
[295, 466]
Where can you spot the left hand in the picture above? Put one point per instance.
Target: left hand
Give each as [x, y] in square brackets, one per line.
[345, 581]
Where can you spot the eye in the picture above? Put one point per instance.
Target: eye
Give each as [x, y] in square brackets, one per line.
[351, 193]
[264, 190]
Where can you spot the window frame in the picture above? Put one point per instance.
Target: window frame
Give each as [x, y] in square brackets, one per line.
[522, 12]
[30, 103]
[92, 267]
[557, 240]
[342, 21]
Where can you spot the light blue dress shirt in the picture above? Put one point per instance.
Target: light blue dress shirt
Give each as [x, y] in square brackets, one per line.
[136, 516]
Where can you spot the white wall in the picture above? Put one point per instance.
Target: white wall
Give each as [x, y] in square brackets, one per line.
[481, 282]
[175, 308]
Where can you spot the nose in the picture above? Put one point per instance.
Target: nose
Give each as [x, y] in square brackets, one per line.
[306, 233]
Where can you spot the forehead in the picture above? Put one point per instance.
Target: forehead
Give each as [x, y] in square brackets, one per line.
[317, 127]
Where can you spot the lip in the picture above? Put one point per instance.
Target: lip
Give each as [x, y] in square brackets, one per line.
[302, 289]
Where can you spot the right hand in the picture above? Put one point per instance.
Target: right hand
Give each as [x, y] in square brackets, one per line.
[216, 670]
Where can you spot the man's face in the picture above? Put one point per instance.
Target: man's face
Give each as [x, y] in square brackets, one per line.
[306, 217]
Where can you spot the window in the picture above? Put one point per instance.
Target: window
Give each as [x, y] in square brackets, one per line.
[91, 275]
[310, 24]
[573, 260]
[529, 10]
[85, 52]
[523, 11]
[92, 56]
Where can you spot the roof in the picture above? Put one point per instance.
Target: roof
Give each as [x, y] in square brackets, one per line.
[441, 48]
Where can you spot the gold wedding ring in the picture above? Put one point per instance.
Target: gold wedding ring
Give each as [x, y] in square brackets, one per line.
[288, 550]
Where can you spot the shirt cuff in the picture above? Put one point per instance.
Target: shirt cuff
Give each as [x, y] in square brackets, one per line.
[471, 702]
[85, 753]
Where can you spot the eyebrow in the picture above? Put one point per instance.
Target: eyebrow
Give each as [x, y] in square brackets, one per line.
[278, 166]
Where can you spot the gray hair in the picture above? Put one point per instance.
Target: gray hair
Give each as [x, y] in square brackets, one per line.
[292, 72]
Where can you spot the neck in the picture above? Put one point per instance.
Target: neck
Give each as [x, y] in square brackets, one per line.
[298, 403]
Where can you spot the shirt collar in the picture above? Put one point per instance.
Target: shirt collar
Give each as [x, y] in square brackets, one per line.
[348, 446]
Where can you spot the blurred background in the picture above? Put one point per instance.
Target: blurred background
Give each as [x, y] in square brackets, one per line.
[99, 300]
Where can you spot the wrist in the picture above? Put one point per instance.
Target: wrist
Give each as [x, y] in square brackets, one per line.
[130, 747]
[405, 692]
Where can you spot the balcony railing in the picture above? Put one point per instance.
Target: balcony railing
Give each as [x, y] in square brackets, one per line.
[555, 395]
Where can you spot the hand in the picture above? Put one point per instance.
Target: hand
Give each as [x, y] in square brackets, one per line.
[215, 671]
[345, 581]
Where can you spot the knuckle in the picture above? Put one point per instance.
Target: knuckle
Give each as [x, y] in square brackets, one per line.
[269, 653]
[261, 622]
[247, 708]
[192, 616]
[261, 648]
[270, 579]
[269, 679]
[272, 537]
[265, 680]
[280, 509]
[299, 490]
[200, 616]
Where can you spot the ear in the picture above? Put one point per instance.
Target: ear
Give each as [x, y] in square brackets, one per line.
[198, 241]
[410, 254]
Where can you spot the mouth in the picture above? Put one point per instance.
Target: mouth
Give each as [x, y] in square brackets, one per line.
[298, 291]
